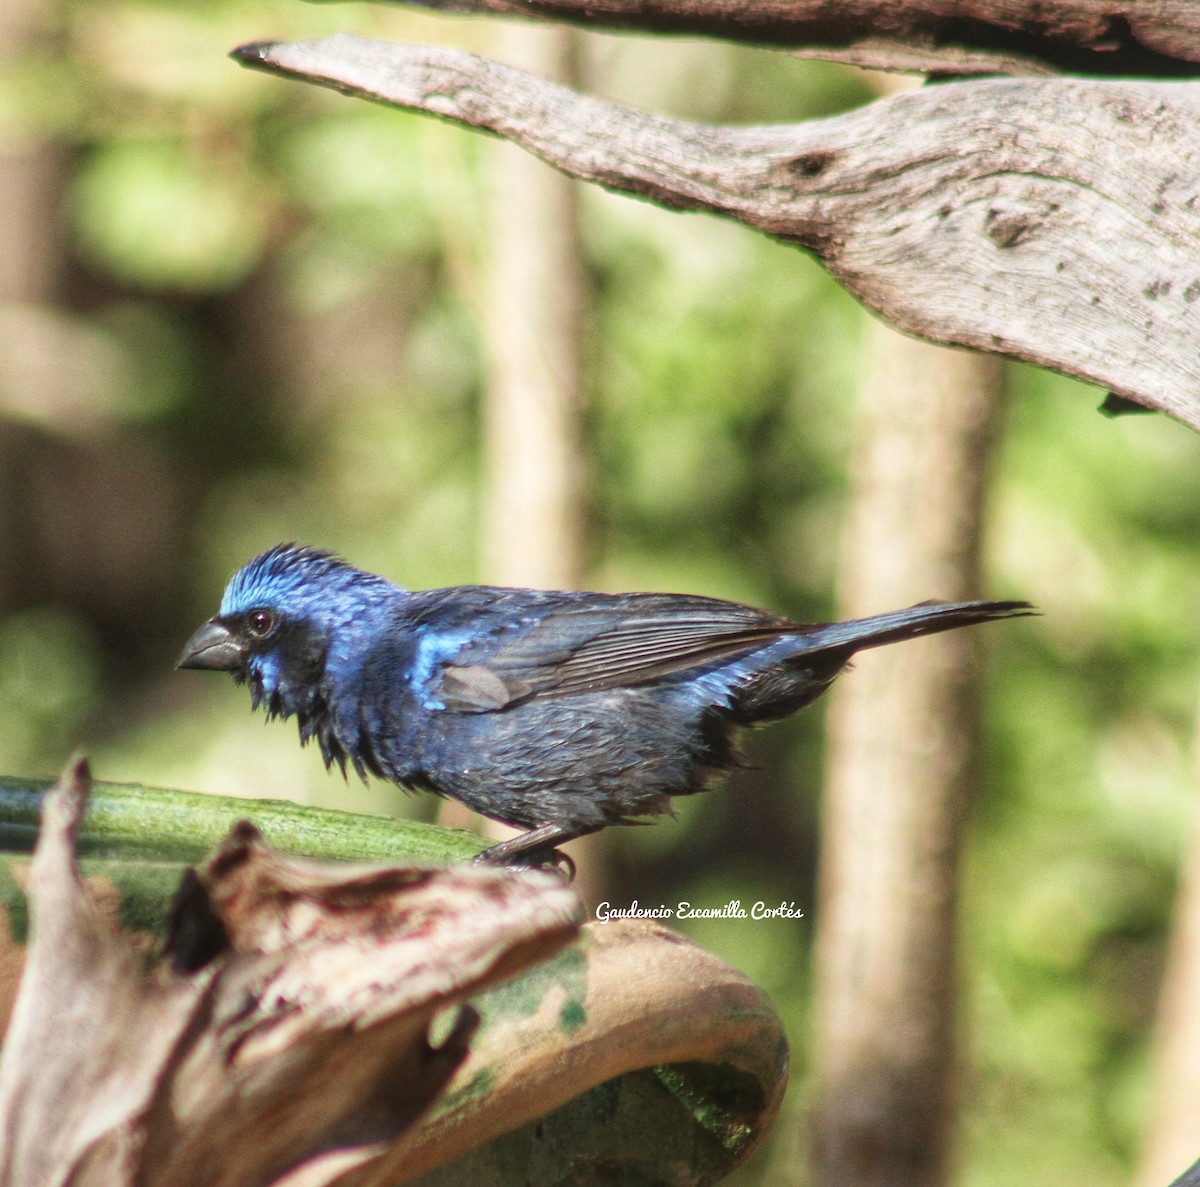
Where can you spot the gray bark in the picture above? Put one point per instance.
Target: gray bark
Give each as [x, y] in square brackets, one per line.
[1053, 220]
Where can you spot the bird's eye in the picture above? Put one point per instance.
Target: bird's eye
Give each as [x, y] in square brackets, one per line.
[260, 623]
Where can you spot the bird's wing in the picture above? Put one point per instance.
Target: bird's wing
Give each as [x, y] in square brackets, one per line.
[594, 642]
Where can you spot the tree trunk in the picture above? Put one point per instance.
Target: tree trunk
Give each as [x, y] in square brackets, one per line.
[31, 181]
[1173, 1131]
[533, 300]
[900, 770]
[30, 175]
[533, 497]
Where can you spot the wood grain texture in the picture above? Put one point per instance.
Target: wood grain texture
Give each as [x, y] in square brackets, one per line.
[1103, 37]
[1052, 220]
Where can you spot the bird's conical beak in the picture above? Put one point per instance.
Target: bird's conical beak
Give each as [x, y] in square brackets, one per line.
[213, 646]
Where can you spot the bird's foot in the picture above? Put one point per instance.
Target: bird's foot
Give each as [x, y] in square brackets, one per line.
[536, 849]
[536, 859]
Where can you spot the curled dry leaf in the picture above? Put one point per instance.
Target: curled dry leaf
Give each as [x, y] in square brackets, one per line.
[289, 1040]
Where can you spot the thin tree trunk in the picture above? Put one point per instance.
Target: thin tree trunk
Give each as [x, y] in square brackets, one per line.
[31, 180]
[533, 299]
[30, 176]
[1172, 1141]
[533, 501]
[900, 772]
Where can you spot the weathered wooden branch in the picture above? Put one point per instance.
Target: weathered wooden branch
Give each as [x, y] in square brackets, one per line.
[1106, 37]
[1054, 220]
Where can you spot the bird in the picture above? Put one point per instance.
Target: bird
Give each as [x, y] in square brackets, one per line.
[556, 712]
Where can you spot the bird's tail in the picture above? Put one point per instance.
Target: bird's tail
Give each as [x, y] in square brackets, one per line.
[814, 655]
[928, 618]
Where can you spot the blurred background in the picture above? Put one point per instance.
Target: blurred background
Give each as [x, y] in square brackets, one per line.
[236, 310]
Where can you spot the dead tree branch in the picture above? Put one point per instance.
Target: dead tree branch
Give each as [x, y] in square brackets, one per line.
[1146, 37]
[1002, 215]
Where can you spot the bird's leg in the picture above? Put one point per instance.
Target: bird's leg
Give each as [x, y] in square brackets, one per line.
[536, 847]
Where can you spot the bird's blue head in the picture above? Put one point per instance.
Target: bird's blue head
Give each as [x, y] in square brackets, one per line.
[293, 622]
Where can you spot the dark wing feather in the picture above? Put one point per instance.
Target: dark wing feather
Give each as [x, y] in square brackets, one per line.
[597, 642]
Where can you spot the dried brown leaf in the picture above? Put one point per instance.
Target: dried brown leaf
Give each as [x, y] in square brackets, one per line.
[289, 1044]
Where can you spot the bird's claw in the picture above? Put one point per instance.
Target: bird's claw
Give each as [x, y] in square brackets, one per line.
[535, 859]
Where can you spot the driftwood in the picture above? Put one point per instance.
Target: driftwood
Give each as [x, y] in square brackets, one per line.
[1054, 220]
[1106, 37]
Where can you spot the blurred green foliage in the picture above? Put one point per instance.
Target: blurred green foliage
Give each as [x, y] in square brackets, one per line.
[260, 326]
